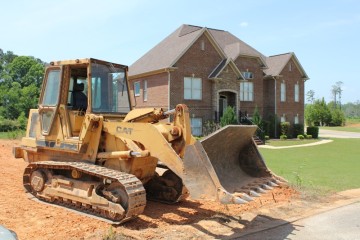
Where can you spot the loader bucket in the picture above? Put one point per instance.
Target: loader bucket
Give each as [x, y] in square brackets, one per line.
[226, 166]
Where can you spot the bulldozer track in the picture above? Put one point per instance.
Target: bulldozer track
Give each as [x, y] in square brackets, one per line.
[132, 186]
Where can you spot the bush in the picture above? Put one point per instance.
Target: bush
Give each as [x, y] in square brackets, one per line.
[283, 137]
[313, 131]
[7, 125]
[308, 136]
[300, 137]
[298, 129]
[285, 128]
[210, 127]
[267, 138]
[229, 117]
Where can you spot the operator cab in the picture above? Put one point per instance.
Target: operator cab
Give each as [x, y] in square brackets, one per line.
[75, 88]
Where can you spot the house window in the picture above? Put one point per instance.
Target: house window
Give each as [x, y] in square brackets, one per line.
[246, 91]
[145, 90]
[202, 45]
[283, 118]
[283, 92]
[296, 92]
[296, 119]
[290, 67]
[192, 88]
[196, 126]
[137, 88]
[248, 75]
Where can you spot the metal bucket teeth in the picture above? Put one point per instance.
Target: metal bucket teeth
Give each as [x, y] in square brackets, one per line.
[245, 197]
[260, 190]
[266, 187]
[278, 182]
[238, 200]
[254, 194]
[272, 184]
[228, 198]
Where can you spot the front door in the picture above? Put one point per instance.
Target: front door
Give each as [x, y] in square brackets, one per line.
[223, 103]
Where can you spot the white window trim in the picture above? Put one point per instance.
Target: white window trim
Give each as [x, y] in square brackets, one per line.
[248, 75]
[145, 90]
[296, 119]
[200, 128]
[249, 94]
[283, 92]
[202, 45]
[297, 92]
[192, 89]
[136, 94]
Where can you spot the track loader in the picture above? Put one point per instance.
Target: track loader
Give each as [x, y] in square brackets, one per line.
[88, 150]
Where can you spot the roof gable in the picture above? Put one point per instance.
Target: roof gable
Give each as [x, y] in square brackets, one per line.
[277, 63]
[171, 49]
[234, 47]
[222, 65]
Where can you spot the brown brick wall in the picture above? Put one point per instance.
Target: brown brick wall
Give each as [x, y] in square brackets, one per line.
[290, 108]
[199, 64]
[252, 65]
[157, 91]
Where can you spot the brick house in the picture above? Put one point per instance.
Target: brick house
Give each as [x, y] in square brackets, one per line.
[209, 69]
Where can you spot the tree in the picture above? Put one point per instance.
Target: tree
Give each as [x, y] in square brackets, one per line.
[229, 117]
[257, 119]
[20, 80]
[26, 70]
[310, 96]
[318, 113]
[336, 90]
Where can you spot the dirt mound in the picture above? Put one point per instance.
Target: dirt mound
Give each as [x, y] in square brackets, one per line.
[188, 219]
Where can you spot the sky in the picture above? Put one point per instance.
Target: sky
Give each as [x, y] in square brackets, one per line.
[324, 35]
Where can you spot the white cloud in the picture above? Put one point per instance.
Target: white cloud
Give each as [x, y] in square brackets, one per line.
[244, 24]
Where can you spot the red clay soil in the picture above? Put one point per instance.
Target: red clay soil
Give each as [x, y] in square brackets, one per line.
[188, 219]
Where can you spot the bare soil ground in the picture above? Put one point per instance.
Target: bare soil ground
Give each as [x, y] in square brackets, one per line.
[185, 220]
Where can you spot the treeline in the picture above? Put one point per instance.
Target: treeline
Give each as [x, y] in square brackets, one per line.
[20, 81]
[351, 110]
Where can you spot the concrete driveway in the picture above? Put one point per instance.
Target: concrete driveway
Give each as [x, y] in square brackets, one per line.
[339, 223]
[337, 134]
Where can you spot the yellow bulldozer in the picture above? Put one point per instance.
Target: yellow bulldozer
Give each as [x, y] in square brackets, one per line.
[88, 150]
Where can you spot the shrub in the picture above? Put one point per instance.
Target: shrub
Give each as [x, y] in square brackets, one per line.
[313, 131]
[285, 128]
[210, 127]
[308, 136]
[267, 138]
[7, 125]
[298, 129]
[300, 137]
[229, 117]
[283, 137]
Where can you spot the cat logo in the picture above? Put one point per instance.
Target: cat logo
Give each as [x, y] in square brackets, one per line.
[124, 130]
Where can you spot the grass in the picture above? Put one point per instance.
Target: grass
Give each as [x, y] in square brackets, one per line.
[349, 127]
[290, 142]
[12, 135]
[344, 129]
[324, 168]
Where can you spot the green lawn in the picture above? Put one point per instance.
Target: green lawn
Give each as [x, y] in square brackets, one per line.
[348, 127]
[290, 142]
[345, 129]
[324, 168]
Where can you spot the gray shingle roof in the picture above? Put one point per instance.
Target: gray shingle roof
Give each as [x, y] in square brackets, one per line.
[277, 63]
[167, 51]
[233, 46]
